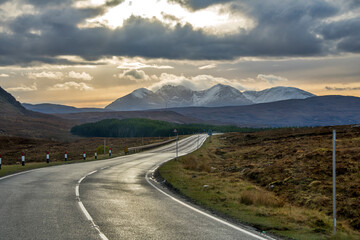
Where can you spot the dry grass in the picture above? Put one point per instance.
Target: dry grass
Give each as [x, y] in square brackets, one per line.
[278, 180]
[260, 198]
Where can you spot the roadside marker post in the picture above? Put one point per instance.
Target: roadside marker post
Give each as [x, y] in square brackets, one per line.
[210, 134]
[47, 157]
[84, 155]
[23, 159]
[95, 155]
[109, 152]
[0, 161]
[65, 156]
[334, 179]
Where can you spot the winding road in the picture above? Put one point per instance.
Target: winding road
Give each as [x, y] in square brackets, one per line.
[108, 199]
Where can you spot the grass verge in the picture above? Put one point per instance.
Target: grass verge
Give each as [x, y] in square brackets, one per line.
[226, 192]
[16, 168]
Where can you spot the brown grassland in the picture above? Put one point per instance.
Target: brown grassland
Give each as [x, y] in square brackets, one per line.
[279, 181]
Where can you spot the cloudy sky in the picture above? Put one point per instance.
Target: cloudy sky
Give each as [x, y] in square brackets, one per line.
[88, 53]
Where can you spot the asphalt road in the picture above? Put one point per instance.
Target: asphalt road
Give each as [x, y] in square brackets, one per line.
[109, 199]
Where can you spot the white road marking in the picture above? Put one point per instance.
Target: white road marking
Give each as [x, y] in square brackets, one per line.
[16, 174]
[201, 212]
[83, 209]
[91, 173]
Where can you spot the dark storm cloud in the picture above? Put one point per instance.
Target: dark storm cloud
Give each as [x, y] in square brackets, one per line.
[345, 32]
[112, 3]
[283, 28]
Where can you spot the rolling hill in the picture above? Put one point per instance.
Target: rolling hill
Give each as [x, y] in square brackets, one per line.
[313, 111]
[15, 120]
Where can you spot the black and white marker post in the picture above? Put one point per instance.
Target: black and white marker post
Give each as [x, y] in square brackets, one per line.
[47, 157]
[109, 152]
[95, 155]
[23, 159]
[0, 161]
[84, 155]
[65, 156]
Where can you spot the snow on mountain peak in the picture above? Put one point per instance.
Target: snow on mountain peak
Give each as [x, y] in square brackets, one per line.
[277, 94]
[141, 92]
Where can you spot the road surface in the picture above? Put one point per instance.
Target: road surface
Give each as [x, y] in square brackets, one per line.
[109, 199]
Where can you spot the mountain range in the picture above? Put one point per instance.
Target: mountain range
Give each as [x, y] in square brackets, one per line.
[217, 96]
[265, 108]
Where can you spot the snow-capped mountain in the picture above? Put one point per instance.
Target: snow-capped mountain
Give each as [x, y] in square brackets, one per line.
[217, 96]
[277, 94]
[176, 96]
[140, 99]
[220, 95]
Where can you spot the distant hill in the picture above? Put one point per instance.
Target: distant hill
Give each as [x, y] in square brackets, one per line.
[313, 111]
[217, 96]
[15, 120]
[50, 108]
[168, 116]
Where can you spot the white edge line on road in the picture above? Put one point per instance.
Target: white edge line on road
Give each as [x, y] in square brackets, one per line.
[201, 212]
[19, 173]
[83, 209]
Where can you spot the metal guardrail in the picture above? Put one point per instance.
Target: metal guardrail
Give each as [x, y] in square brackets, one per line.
[149, 146]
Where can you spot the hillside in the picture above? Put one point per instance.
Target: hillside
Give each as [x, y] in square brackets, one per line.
[49, 108]
[313, 111]
[15, 120]
[168, 116]
[278, 181]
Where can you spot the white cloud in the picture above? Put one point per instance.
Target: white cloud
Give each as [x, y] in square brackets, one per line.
[272, 79]
[140, 65]
[68, 85]
[199, 82]
[136, 76]
[23, 88]
[216, 19]
[4, 75]
[210, 66]
[50, 75]
[83, 76]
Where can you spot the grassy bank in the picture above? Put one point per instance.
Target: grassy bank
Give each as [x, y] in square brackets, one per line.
[239, 175]
[16, 168]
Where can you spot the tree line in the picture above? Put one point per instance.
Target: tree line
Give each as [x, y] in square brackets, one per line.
[136, 127]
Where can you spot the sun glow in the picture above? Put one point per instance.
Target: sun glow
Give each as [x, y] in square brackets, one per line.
[213, 20]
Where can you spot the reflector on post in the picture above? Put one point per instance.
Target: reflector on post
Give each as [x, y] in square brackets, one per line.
[23, 159]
